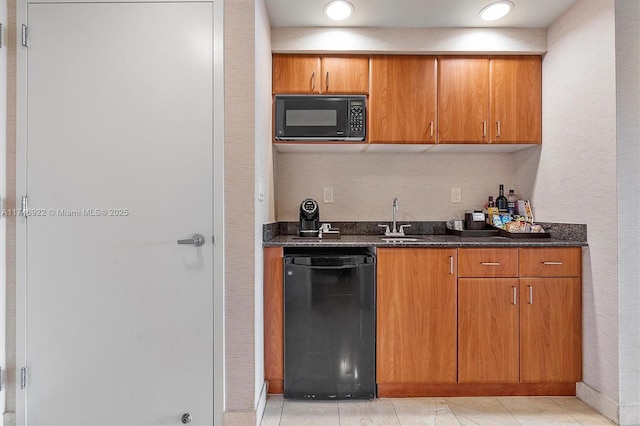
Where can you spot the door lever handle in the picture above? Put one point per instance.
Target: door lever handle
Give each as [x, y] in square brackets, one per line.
[196, 240]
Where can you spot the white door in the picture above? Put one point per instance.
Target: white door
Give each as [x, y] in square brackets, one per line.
[117, 155]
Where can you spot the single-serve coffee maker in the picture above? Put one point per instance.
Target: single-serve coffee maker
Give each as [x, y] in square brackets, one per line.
[309, 218]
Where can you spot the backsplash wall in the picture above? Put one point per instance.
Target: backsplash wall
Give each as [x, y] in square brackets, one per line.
[364, 184]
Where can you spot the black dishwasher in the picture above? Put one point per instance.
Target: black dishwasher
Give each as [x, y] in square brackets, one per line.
[329, 324]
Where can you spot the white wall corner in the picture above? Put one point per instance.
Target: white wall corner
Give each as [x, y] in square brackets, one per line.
[9, 419]
[598, 401]
[629, 414]
[239, 418]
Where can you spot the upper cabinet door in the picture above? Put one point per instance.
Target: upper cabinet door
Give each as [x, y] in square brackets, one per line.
[296, 74]
[463, 99]
[345, 74]
[402, 102]
[309, 74]
[516, 99]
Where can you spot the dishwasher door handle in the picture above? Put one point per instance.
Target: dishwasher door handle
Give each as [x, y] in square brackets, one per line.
[330, 267]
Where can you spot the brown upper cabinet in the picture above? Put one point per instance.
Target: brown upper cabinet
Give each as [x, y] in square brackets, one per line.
[463, 99]
[402, 100]
[489, 100]
[319, 74]
[516, 99]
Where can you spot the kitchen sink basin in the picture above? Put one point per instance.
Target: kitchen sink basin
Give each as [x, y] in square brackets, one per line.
[398, 239]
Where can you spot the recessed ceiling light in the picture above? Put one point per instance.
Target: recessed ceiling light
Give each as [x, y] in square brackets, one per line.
[496, 10]
[338, 9]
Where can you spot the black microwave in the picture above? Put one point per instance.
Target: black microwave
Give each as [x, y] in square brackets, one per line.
[320, 117]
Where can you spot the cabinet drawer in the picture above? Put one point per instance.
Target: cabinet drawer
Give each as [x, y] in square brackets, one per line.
[551, 262]
[488, 262]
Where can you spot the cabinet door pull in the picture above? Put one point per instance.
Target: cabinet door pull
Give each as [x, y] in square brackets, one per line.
[515, 294]
[552, 263]
[530, 294]
[431, 130]
[490, 263]
[484, 129]
[498, 126]
[313, 81]
[450, 265]
[327, 82]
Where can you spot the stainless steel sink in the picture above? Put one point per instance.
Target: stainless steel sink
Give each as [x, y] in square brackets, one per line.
[398, 239]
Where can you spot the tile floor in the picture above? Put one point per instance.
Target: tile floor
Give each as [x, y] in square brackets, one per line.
[485, 411]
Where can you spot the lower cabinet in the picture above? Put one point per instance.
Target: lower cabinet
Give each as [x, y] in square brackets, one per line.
[488, 330]
[461, 322]
[522, 329]
[416, 318]
[550, 330]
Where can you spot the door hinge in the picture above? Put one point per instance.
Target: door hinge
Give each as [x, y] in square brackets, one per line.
[24, 377]
[25, 205]
[25, 36]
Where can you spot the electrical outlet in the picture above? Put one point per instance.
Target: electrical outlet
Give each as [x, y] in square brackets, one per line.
[328, 195]
[456, 196]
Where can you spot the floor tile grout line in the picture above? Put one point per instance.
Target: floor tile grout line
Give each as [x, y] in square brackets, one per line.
[508, 411]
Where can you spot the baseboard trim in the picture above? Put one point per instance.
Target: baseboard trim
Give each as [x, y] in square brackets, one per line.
[262, 403]
[598, 401]
[407, 390]
[244, 418]
[9, 419]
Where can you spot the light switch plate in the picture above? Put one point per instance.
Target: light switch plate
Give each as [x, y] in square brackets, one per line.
[456, 196]
[328, 195]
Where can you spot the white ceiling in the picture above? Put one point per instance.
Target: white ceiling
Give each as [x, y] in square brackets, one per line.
[415, 13]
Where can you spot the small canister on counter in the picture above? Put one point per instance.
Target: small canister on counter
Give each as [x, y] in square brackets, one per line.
[474, 220]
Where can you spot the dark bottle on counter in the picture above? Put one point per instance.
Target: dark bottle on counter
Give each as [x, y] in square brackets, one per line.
[490, 203]
[511, 202]
[501, 202]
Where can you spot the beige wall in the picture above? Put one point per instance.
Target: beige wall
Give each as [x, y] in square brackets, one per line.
[573, 177]
[364, 184]
[628, 158]
[240, 235]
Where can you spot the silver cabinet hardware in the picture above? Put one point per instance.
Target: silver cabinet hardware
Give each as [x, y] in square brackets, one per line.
[450, 265]
[25, 205]
[498, 126]
[431, 130]
[313, 81]
[530, 294]
[490, 263]
[515, 294]
[327, 82]
[196, 240]
[552, 263]
[484, 129]
[186, 418]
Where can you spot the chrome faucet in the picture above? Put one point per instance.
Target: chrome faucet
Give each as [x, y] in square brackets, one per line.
[395, 210]
[394, 232]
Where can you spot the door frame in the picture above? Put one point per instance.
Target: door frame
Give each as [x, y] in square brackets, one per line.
[218, 200]
[3, 204]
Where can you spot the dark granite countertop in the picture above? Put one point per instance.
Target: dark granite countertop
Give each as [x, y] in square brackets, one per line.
[422, 241]
[427, 234]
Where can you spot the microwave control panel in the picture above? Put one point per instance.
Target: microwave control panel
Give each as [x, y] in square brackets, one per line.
[356, 117]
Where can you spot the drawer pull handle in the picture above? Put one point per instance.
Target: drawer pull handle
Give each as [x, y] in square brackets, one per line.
[490, 263]
[515, 294]
[552, 263]
[530, 294]
[450, 265]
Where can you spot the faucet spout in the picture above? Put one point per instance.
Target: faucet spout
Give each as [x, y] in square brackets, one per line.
[395, 210]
